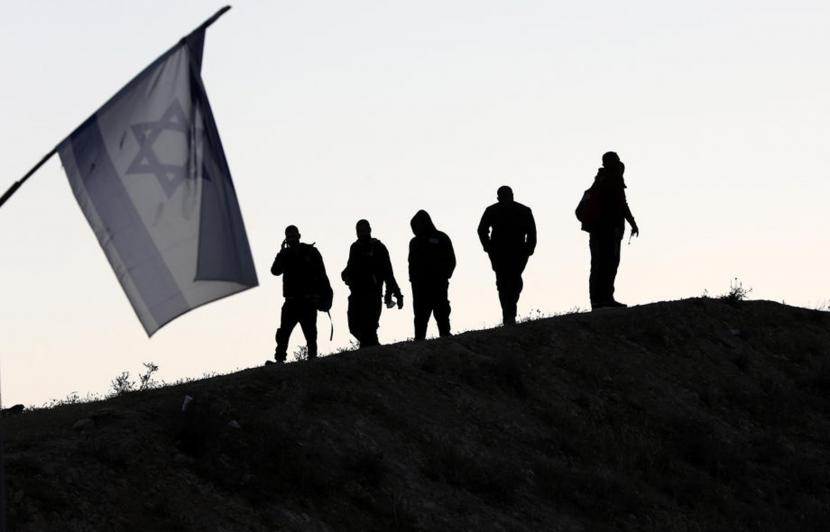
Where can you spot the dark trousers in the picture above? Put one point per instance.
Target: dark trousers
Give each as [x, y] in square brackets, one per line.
[364, 316]
[509, 269]
[605, 259]
[430, 298]
[294, 311]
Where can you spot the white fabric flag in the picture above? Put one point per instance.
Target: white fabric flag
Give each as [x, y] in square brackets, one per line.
[150, 175]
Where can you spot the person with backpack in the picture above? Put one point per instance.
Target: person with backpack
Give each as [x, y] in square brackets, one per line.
[366, 272]
[431, 264]
[507, 232]
[603, 212]
[306, 289]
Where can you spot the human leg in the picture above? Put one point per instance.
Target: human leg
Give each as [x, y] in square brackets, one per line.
[308, 323]
[509, 286]
[422, 309]
[364, 317]
[605, 258]
[441, 308]
[288, 320]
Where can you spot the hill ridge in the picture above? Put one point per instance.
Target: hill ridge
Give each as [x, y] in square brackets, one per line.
[669, 416]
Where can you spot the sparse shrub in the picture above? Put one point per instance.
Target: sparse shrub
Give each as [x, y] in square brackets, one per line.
[353, 346]
[122, 383]
[737, 292]
[301, 353]
[72, 398]
[145, 380]
[576, 309]
[534, 314]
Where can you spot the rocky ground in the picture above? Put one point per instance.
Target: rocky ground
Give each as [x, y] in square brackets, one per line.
[690, 415]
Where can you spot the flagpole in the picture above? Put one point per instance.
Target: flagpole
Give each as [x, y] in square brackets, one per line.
[17, 184]
[212, 19]
[12, 189]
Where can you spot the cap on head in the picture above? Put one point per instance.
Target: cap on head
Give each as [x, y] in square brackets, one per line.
[504, 193]
[610, 159]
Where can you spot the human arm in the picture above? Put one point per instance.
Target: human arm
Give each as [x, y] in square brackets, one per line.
[530, 241]
[450, 257]
[411, 259]
[388, 277]
[346, 274]
[635, 231]
[484, 230]
[278, 267]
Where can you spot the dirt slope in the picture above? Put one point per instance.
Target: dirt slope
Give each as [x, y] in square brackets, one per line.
[688, 415]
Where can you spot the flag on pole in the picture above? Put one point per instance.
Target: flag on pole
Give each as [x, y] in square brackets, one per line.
[150, 175]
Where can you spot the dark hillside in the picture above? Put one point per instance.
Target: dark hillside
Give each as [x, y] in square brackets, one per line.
[689, 415]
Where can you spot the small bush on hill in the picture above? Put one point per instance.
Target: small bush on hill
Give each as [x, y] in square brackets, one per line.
[736, 293]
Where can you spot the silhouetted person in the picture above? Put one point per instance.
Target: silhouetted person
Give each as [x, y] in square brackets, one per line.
[367, 270]
[606, 226]
[306, 289]
[508, 234]
[431, 263]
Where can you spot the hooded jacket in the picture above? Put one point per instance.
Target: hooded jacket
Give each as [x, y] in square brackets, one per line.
[431, 256]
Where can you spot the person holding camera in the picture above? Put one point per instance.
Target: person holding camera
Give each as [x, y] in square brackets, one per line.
[605, 222]
[306, 289]
[367, 270]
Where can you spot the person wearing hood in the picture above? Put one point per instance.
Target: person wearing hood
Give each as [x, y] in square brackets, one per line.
[367, 270]
[607, 230]
[431, 264]
[507, 232]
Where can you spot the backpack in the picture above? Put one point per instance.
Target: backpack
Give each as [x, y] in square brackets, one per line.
[587, 211]
[323, 292]
[325, 297]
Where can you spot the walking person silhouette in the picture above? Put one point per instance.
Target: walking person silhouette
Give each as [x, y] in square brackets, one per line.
[306, 289]
[603, 212]
[431, 264]
[367, 270]
[507, 232]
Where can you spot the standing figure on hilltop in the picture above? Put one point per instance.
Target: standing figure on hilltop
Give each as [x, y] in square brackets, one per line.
[603, 212]
[508, 235]
[367, 270]
[306, 289]
[431, 263]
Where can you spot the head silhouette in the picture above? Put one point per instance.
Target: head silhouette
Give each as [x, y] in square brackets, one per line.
[363, 230]
[292, 235]
[504, 194]
[421, 223]
[611, 160]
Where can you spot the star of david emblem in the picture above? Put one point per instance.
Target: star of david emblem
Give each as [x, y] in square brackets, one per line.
[169, 175]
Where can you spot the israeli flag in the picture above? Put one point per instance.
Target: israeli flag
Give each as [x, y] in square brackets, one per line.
[150, 175]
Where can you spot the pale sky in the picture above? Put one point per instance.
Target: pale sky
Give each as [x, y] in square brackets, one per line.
[332, 111]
